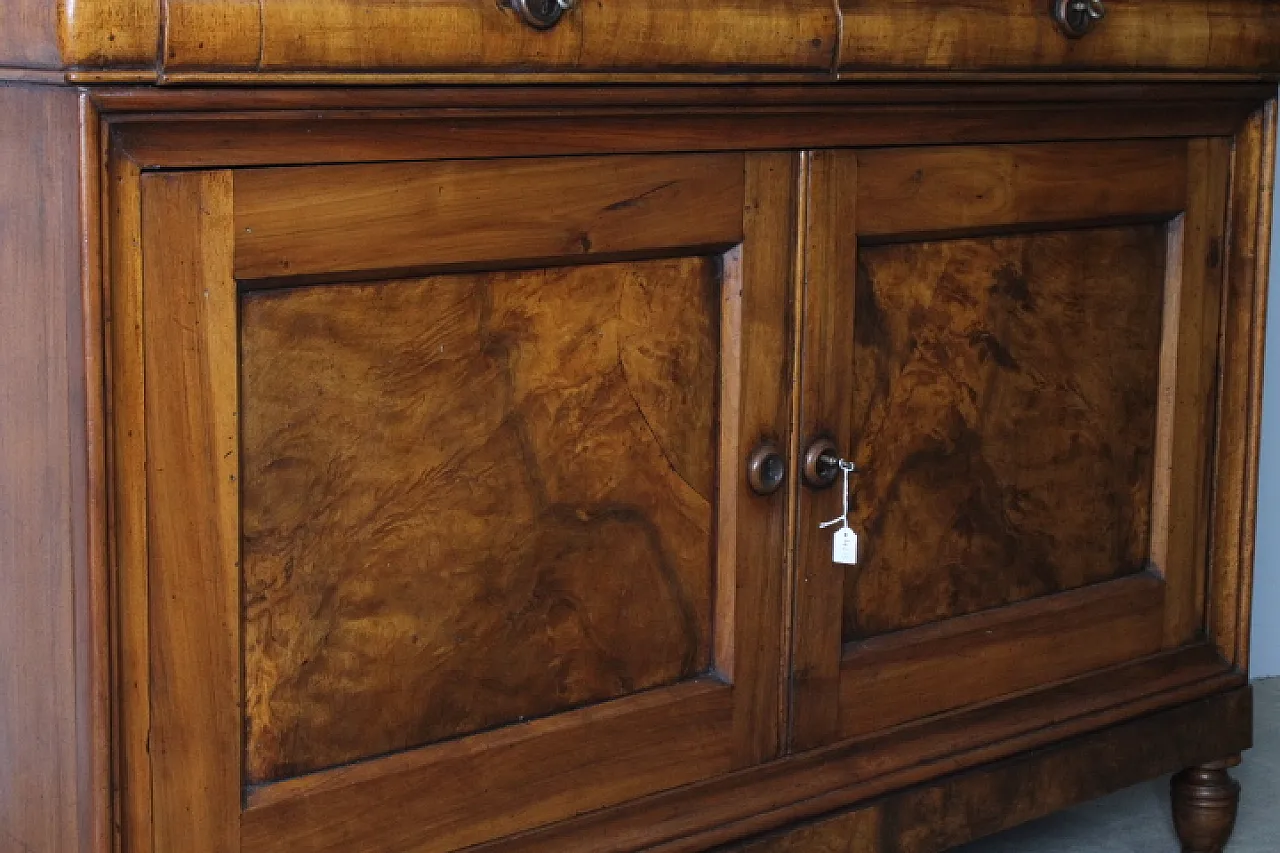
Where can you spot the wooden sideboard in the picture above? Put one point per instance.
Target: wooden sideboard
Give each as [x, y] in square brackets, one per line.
[418, 419]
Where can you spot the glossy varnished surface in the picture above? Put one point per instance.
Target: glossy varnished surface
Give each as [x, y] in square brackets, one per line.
[472, 499]
[1004, 406]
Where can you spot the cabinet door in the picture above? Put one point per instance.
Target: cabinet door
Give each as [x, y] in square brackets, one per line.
[448, 533]
[1015, 344]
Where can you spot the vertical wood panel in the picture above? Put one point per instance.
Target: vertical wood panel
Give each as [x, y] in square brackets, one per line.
[128, 507]
[93, 633]
[189, 323]
[1243, 330]
[831, 250]
[45, 771]
[1194, 276]
[765, 357]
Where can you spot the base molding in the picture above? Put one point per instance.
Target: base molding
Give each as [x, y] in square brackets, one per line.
[956, 809]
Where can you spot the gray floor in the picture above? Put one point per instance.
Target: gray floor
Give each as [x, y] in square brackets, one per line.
[1137, 820]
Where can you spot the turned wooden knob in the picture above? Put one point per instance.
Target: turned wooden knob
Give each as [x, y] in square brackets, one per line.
[766, 469]
[821, 464]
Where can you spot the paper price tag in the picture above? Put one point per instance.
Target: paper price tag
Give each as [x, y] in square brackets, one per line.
[845, 549]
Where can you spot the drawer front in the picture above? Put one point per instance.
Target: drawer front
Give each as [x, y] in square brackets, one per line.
[467, 35]
[449, 536]
[663, 38]
[1028, 394]
[1022, 35]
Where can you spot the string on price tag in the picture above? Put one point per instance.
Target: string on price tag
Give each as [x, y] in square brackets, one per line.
[845, 547]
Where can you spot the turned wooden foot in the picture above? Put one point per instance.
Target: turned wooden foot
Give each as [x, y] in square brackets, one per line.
[1205, 800]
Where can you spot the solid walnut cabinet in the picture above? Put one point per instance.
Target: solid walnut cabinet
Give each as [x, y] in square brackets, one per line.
[415, 445]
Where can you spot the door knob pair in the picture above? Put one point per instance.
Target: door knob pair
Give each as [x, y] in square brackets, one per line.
[767, 466]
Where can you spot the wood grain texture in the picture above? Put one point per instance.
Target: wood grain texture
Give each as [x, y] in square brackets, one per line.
[471, 213]
[193, 508]
[596, 36]
[472, 500]
[1004, 401]
[109, 34]
[222, 36]
[47, 653]
[912, 674]
[960, 808]
[721, 34]
[348, 34]
[1135, 35]
[908, 191]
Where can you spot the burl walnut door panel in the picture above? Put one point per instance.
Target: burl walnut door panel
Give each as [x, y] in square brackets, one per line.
[470, 500]
[1016, 345]
[449, 534]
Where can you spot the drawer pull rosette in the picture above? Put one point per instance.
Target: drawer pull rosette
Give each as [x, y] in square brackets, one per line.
[541, 14]
[1077, 18]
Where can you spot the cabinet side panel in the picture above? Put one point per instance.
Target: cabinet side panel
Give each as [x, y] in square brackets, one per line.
[42, 471]
[29, 34]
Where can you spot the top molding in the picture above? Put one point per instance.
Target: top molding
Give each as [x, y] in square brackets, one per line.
[403, 40]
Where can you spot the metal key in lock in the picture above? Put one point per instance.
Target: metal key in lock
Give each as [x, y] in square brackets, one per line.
[844, 548]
